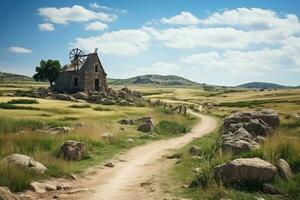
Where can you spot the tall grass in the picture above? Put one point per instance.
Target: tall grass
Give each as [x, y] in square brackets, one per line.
[169, 128]
[16, 107]
[23, 101]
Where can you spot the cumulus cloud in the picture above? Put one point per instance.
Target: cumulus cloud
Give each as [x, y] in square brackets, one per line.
[75, 13]
[184, 18]
[123, 42]
[46, 27]
[17, 49]
[165, 68]
[96, 26]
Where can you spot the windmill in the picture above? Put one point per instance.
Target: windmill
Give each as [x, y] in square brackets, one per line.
[77, 57]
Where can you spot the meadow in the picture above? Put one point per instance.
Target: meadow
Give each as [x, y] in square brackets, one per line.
[22, 119]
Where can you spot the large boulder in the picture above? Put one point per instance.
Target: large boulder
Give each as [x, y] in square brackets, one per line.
[239, 146]
[258, 127]
[72, 150]
[81, 95]
[145, 127]
[244, 171]
[64, 97]
[5, 194]
[284, 169]
[24, 161]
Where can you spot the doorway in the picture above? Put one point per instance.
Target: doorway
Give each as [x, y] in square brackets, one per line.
[97, 84]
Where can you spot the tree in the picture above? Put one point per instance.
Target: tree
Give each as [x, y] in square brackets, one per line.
[48, 70]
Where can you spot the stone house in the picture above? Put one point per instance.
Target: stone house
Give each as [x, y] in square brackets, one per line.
[88, 76]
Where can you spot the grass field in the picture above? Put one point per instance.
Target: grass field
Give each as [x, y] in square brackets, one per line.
[21, 119]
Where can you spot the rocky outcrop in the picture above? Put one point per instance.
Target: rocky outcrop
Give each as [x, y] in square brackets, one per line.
[72, 150]
[284, 169]
[24, 161]
[5, 194]
[245, 171]
[243, 131]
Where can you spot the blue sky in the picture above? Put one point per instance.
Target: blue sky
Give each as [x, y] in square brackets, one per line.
[220, 42]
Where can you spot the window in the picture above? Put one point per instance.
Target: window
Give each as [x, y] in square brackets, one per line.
[96, 68]
[75, 82]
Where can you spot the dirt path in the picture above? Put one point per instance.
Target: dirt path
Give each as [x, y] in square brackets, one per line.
[137, 172]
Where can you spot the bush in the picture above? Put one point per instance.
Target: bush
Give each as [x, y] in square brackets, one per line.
[170, 127]
[101, 108]
[80, 106]
[23, 101]
[15, 107]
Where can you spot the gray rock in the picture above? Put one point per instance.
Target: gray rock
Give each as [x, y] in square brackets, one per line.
[269, 189]
[72, 150]
[107, 137]
[63, 186]
[126, 122]
[81, 95]
[284, 169]
[37, 187]
[146, 127]
[245, 170]
[109, 164]
[257, 127]
[64, 97]
[195, 151]
[24, 161]
[5, 194]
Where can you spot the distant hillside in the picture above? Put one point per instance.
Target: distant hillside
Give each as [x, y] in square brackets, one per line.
[4, 77]
[262, 85]
[153, 79]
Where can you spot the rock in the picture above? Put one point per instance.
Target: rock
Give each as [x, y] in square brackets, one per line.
[109, 164]
[81, 95]
[126, 122]
[145, 120]
[257, 127]
[37, 187]
[64, 97]
[269, 189]
[63, 186]
[50, 187]
[130, 140]
[108, 137]
[174, 156]
[24, 161]
[72, 150]
[260, 139]
[5, 194]
[78, 190]
[269, 116]
[146, 127]
[245, 170]
[73, 176]
[195, 151]
[25, 197]
[284, 169]
[238, 146]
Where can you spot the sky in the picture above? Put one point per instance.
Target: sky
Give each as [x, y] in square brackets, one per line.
[226, 42]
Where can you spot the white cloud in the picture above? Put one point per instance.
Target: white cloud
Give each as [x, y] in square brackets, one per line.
[123, 42]
[46, 27]
[193, 37]
[247, 61]
[96, 26]
[16, 49]
[164, 68]
[75, 13]
[97, 6]
[254, 19]
[184, 18]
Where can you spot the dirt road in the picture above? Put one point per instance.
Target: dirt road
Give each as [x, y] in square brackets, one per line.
[137, 172]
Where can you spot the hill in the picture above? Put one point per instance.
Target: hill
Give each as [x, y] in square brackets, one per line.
[6, 77]
[154, 79]
[263, 85]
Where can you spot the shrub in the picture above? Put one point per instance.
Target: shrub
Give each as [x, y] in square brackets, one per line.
[101, 108]
[23, 101]
[80, 106]
[15, 107]
[170, 127]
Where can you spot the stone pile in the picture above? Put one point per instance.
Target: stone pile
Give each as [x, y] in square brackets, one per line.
[122, 97]
[144, 124]
[244, 131]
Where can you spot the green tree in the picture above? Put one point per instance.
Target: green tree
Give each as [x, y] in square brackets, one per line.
[48, 70]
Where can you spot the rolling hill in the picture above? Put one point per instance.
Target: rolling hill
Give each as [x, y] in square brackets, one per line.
[154, 79]
[6, 77]
[263, 85]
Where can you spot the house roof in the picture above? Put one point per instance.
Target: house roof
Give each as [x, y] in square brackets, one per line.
[90, 59]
